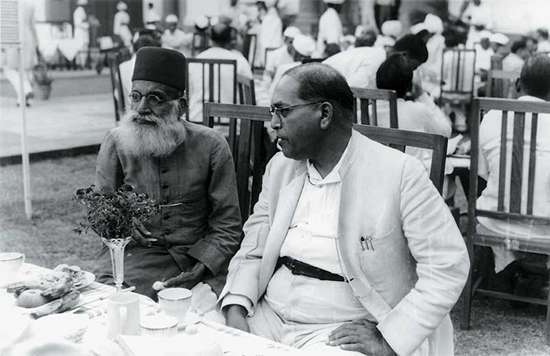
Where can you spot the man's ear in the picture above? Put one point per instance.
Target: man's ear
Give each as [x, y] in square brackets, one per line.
[327, 115]
[182, 105]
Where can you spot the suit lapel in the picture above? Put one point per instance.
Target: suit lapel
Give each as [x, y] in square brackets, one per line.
[288, 200]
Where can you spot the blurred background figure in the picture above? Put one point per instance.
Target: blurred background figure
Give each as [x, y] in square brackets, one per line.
[543, 44]
[347, 42]
[384, 10]
[478, 13]
[330, 26]
[391, 30]
[176, 39]
[121, 24]
[29, 41]
[288, 10]
[430, 71]
[282, 55]
[514, 61]
[81, 31]
[499, 43]
[271, 30]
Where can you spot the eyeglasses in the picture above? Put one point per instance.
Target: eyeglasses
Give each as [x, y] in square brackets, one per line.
[152, 98]
[284, 111]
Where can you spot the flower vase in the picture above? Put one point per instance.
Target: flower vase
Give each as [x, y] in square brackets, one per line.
[116, 250]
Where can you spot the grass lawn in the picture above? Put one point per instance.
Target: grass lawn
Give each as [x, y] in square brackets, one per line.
[47, 240]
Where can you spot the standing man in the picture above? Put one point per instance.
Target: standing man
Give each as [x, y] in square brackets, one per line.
[271, 30]
[81, 30]
[176, 39]
[283, 54]
[121, 24]
[350, 249]
[186, 168]
[330, 26]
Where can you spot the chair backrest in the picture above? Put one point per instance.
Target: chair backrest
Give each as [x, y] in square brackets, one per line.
[247, 147]
[512, 163]
[117, 87]
[246, 90]
[250, 43]
[211, 86]
[368, 97]
[501, 84]
[458, 71]
[400, 139]
[199, 43]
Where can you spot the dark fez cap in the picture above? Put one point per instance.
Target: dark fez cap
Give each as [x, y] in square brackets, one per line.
[160, 65]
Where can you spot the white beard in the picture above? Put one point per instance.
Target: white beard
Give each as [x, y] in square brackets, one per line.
[142, 140]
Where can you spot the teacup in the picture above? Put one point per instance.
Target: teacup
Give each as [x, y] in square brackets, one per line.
[123, 314]
[175, 302]
[10, 263]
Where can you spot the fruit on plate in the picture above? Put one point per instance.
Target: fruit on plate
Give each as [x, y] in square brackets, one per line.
[59, 305]
[52, 285]
[31, 298]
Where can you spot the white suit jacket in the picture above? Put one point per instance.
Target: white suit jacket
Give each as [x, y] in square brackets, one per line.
[330, 30]
[413, 274]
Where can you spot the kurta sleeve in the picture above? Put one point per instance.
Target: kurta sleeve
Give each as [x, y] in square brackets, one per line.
[442, 263]
[109, 175]
[223, 237]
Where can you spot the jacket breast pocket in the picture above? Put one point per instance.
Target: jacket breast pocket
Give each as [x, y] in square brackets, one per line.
[375, 254]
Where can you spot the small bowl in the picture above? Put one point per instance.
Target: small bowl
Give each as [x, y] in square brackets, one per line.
[10, 263]
[159, 325]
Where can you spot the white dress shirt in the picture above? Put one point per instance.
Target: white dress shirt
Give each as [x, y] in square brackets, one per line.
[358, 65]
[178, 40]
[512, 63]
[330, 30]
[227, 85]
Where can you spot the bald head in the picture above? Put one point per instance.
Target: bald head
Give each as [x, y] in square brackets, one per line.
[535, 77]
[319, 81]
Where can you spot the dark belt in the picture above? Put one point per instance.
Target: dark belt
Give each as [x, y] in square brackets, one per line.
[304, 269]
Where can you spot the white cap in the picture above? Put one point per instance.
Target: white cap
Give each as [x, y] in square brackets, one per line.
[433, 24]
[499, 38]
[485, 34]
[82, 2]
[121, 6]
[392, 28]
[292, 31]
[171, 19]
[304, 45]
[202, 22]
[336, 2]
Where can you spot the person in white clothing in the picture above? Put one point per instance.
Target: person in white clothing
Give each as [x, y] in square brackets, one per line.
[534, 86]
[484, 52]
[350, 249]
[271, 31]
[330, 26]
[126, 68]
[420, 114]
[220, 39]
[176, 39]
[391, 30]
[543, 44]
[303, 48]
[478, 14]
[430, 71]
[121, 24]
[282, 55]
[81, 30]
[358, 65]
[516, 59]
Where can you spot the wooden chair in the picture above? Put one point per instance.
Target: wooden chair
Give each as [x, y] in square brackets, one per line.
[211, 85]
[246, 90]
[250, 43]
[500, 84]
[247, 148]
[457, 75]
[199, 43]
[368, 97]
[117, 87]
[510, 201]
[400, 139]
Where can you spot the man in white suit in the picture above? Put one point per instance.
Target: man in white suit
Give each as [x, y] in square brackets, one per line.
[350, 249]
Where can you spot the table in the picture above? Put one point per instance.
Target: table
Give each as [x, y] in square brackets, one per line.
[93, 303]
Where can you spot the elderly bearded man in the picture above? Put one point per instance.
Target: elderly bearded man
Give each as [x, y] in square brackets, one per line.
[350, 248]
[186, 167]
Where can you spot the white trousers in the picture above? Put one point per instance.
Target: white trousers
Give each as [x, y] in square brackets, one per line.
[13, 77]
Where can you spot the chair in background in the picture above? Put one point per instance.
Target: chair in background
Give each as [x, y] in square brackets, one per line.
[250, 43]
[501, 84]
[212, 71]
[117, 87]
[457, 75]
[246, 90]
[512, 204]
[199, 43]
[400, 139]
[247, 148]
[367, 98]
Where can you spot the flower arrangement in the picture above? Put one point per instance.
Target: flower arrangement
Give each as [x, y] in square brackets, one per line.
[111, 215]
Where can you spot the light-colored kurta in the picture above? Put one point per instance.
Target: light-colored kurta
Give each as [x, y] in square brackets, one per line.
[330, 30]
[358, 65]
[270, 34]
[178, 40]
[81, 27]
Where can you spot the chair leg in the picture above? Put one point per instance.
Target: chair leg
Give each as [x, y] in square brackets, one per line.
[467, 303]
[547, 326]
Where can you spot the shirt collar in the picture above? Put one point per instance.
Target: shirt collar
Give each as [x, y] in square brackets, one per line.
[334, 175]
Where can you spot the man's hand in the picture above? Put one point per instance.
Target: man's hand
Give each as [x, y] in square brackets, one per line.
[187, 279]
[235, 317]
[141, 235]
[361, 336]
